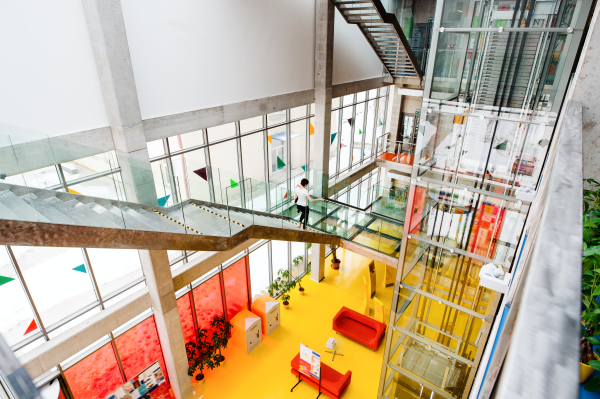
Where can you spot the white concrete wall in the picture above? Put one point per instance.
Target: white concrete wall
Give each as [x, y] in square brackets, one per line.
[353, 57]
[48, 77]
[193, 54]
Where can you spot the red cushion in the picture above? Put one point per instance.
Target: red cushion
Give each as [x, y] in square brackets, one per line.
[333, 383]
[359, 327]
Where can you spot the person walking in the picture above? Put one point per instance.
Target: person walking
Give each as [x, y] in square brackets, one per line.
[302, 198]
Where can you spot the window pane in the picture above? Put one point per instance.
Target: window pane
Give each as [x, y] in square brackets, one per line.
[346, 138]
[280, 257]
[40, 178]
[224, 156]
[370, 128]
[57, 280]
[372, 93]
[311, 143]
[297, 252]
[248, 125]
[278, 158]
[362, 96]
[236, 287]
[380, 116]
[221, 132]
[259, 271]
[16, 318]
[335, 102]
[253, 158]
[197, 187]
[187, 140]
[298, 146]
[114, 268]
[358, 132]
[184, 306]
[208, 301]
[298, 112]
[348, 99]
[275, 118]
[87, 166]
[334, 141]
[96, 376]
[139, 347]
[155, 148]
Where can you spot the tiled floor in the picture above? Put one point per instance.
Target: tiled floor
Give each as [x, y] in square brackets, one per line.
[265, 372]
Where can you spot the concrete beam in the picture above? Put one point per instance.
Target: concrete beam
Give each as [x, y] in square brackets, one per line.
[207, 262]
[361, 85]
[46, 356]
[370, 253]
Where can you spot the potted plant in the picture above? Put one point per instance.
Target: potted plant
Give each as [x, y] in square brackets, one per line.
[590, 316]
[296, 263]
[221, 336]
[335, 262]
[200, 355]
[282, 285]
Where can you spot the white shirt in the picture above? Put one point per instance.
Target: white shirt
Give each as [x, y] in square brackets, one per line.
[302, 193]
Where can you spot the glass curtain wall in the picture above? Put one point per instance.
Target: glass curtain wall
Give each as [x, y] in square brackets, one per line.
[494, 84]
[275, 147]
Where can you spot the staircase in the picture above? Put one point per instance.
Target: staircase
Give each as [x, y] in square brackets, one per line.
[384, 34]
[504, 58]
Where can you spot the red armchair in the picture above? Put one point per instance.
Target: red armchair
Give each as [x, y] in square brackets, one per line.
[359, 328]
[333, 383]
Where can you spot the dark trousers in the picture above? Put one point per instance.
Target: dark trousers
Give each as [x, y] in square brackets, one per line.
[303, 214]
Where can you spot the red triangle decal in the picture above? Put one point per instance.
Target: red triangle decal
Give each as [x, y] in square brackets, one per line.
[285, 196]
[32, 327]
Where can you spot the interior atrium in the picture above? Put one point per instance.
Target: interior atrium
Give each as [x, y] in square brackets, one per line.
[289, 199]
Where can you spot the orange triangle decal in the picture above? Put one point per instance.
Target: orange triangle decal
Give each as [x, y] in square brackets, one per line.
[312, 129]
[73, 191]
[270, 138]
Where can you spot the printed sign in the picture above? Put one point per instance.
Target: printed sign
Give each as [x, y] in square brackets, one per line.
[310, 362]
[143, 385]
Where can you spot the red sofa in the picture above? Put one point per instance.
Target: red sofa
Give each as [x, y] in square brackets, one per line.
[333, 383]
[359, 328]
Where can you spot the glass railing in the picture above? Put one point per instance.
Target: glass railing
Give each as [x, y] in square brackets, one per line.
[395, 151]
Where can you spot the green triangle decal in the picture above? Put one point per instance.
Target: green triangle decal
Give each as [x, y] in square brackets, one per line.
[359, 131]
[501, 146]
[380, 123]
[4, 280]
[280, 163]
[233, 184]
[80, 268]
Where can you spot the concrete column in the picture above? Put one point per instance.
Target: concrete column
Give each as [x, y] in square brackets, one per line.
[395, 123]
[325, 15]
[157, 270]
[111, 50]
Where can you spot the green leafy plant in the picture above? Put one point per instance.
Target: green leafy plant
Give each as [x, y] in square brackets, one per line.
[221, 336]
[283, 284]
[200, 354]
[590, 316]
[297, 262]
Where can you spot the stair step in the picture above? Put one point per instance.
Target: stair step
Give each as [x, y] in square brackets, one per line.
[89, 213]
[131, 222]
[20, 207]
[160, 223]
[71, 213]
[44, 208]
[205, 222]
[6, 213]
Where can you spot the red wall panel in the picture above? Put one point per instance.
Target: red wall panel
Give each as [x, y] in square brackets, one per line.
[96, 376]
[236, 287]
[208, 301]
[184, 305]
[139, 347]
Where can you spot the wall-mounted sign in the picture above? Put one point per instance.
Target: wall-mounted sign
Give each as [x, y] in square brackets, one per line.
[148, 384]
[429, 20]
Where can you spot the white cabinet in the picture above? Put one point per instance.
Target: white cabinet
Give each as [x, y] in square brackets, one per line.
[247, 331]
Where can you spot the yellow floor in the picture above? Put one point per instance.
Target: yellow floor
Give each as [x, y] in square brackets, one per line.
[265, 372]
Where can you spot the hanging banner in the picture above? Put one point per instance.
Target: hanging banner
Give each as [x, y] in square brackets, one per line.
[310, 362]
[150, 383]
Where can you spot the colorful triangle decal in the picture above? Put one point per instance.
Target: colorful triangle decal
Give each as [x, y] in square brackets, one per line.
[233, 184]
[380, 123]
[280, 163]
[270, 138]
[312, 129]
[333, 137]
[350, 121]
[163, 201]
[303, 167]
[359, 131]
[80, 268]
[73, 191]
[202, 173]
[32, 327]
[285, 196]
[4, 280]
[501, 146]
